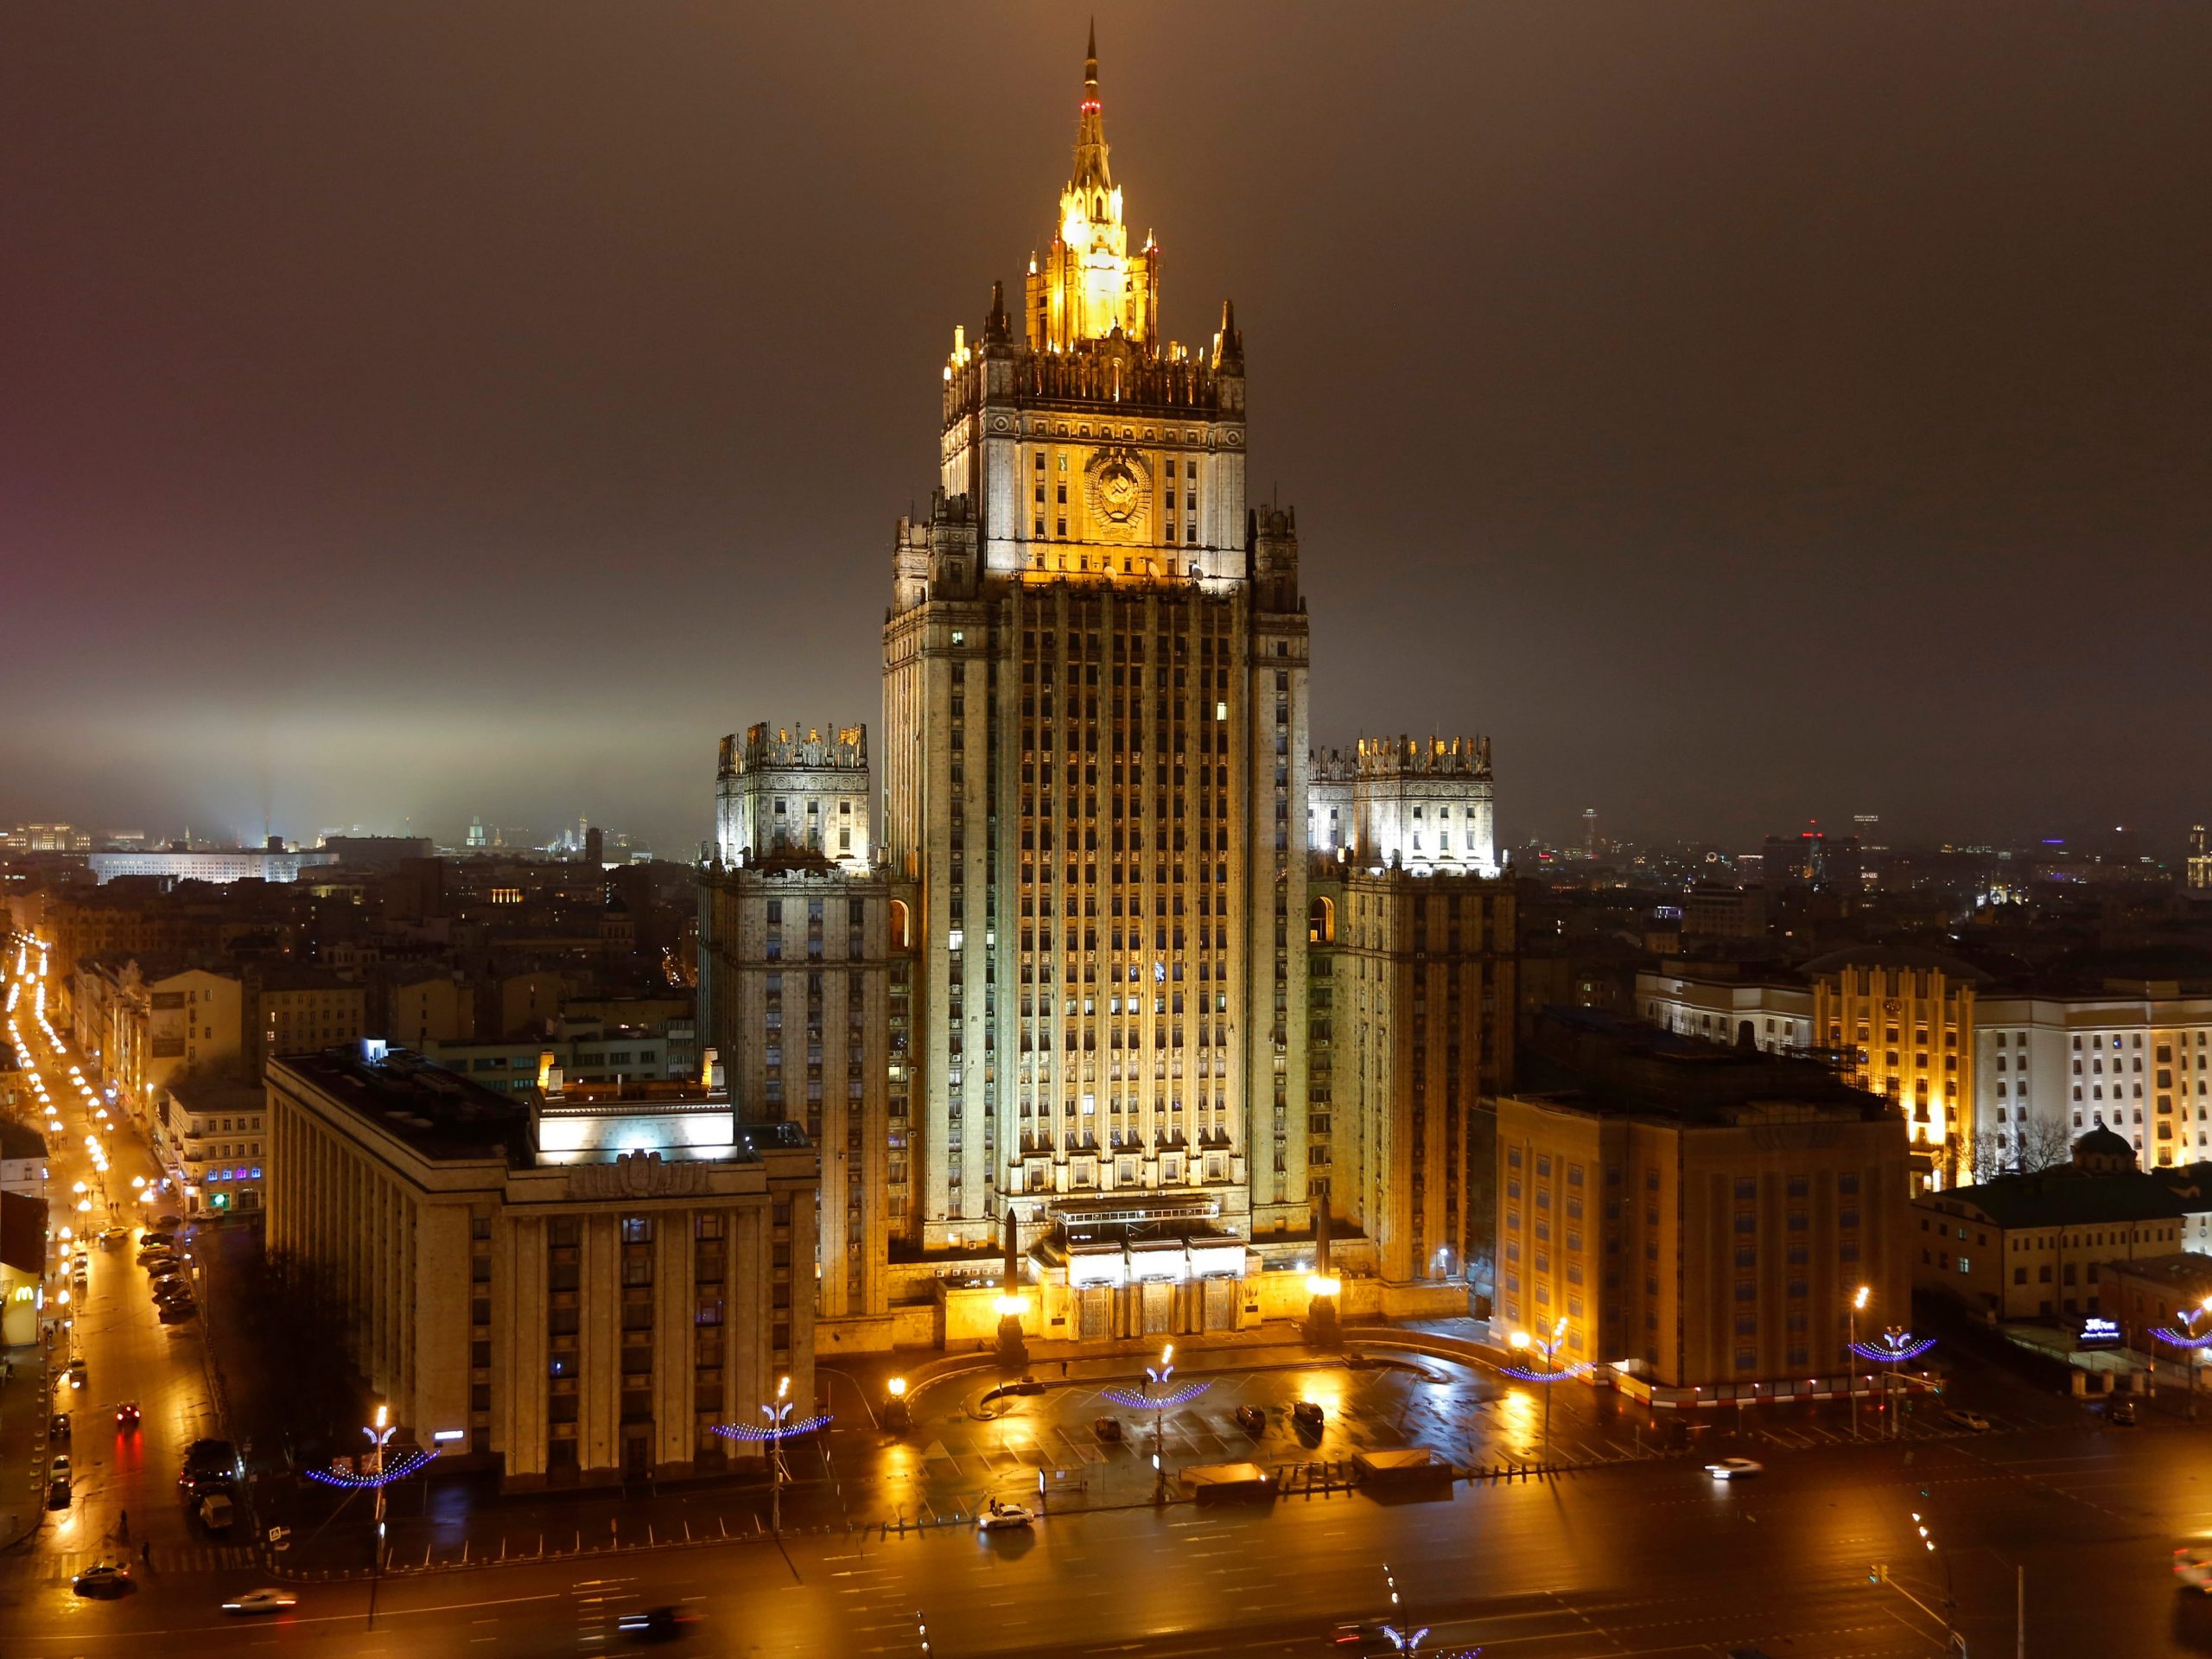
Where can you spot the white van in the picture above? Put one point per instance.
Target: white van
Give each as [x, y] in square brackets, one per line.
[215, 1511]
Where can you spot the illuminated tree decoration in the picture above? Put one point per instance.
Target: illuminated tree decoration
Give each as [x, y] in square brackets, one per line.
[790, 1431]
[1558, 1374]
[1894, 1349]
[405, 1464]
[1183, 1395]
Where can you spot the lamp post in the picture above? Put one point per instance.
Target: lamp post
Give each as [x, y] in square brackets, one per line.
[779, 1414]
[379, 1436]
[896, 1413]
[1156, 1376]
[2190, 1339]
[1857, 1306]
[1547, 1347]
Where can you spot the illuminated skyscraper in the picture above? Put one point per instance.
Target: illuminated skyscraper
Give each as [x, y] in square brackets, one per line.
[1094, 704]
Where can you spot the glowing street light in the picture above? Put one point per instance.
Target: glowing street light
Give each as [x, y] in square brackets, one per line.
[779, 1414]
[1547, 1347]
[1857, 1306]
[2194, 1334]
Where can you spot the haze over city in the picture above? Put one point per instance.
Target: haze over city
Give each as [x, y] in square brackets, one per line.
[1740, 415]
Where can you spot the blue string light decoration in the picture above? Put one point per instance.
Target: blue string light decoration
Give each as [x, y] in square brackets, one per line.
[1135, 1402]
[1557, 1373]
[747, 1431]
[397, 1468]
[2174, 1338]
[1893, 1350]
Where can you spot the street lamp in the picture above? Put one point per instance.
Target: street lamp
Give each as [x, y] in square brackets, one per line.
[379, 1437]
[1156, 1376]
[1857, 1306]
[1549, 1347]
[779, 1414]
[2191, 1338]
[896, 1413]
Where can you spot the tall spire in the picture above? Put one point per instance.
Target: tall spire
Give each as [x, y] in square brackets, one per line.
[1090, 169]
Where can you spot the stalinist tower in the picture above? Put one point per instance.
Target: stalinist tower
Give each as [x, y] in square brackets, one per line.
[1094, 778]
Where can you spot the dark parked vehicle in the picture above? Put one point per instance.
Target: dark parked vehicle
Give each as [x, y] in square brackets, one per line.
[2120, 1414]
[1307, 1415]
[57, 1493]
[1107, 1429]
[178, 1311]
[1251, 1419]
[59, 1428]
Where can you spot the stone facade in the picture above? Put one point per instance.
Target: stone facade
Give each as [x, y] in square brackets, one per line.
[777, 793]
[578, 1313]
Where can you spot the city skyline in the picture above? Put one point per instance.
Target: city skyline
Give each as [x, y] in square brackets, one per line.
[378, 494]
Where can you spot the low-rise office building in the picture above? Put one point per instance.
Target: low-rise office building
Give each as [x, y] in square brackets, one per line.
[1715, 1000]
[1695, 1216]
[2036, 1246]
[580, 1287]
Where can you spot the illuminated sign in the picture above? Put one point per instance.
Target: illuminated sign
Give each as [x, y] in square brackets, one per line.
[2098, 1333]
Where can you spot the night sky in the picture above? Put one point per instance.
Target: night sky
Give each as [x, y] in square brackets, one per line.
[1740, 411]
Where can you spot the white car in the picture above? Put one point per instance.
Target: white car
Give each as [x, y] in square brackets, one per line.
[261, 1601]
[1734, 1469]
[1973, 1422]
[999, 1517]
[2193, 1567]
[60, 1469]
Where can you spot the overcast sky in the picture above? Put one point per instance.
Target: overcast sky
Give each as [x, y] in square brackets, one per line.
[1741, 412]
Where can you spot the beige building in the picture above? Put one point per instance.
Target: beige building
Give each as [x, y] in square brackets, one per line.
[2035, 1246]
[778, 792]
[795, 993]
[143, 1025]
[1412, 993]
[295, 1010]
[1710, 1000]
[1699, 1216]
[207, 1134]
[1094, 777]
[1907, 1015]
[636, 1263]
[2132, 1056]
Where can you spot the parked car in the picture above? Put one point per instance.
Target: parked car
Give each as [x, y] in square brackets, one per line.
[1107, 1429]
[77, 1371]
[1002, 1517]
[178, 1311]
[57, 1493]
[102, 1578]
[2120, 1414]
[58, 1429]
[59, 1468]
[1973, 1422]
[261, 1601]
[1251, 1419]
[1307, 1415]
[1735, 1468]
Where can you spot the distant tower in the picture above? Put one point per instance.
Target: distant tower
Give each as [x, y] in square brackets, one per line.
[476, 832]
[595, 846]
[1590, 831]
[2200, 860]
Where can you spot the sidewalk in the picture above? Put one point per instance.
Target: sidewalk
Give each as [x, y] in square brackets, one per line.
[26, 1405]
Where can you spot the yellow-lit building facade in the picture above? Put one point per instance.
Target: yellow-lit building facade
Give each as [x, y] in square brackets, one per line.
[1908, 1018]
[1698, 1218]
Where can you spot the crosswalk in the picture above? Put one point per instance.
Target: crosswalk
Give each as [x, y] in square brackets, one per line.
[64, 1565]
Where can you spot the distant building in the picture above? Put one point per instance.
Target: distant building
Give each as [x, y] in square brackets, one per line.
[579, 1288]
[2134, 1055]
[2200, 859]
[207, 1136]
[777, 793]
[1422, 806]
[587, 1051]
[22, 1161]
[1767, 1012]
[1710, 912]
[803, 961]
[1695, 1215]
[377, 852]
[275, 863]
[1907, 1016]
[2037, 1246]
[295, 1010]
[143, 1023]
